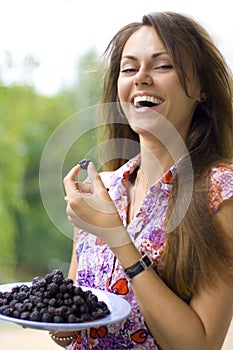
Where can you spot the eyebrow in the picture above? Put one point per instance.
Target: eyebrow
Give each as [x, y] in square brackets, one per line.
[154, 55]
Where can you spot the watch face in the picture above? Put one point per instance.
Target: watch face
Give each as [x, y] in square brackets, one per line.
[143, 264]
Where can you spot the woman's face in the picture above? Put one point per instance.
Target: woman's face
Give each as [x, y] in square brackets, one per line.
[149, 83]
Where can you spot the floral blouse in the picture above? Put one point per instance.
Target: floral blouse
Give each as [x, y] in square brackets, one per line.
[98, 268]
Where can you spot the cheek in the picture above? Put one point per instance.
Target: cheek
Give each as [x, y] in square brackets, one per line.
[123, 90]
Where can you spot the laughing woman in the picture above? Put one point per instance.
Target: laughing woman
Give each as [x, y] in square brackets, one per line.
[162, 235]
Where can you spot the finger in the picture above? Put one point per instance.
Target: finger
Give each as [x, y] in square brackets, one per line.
[84, 187]
[72, 174]
[81, 188]
[69, 180]
[96, 180]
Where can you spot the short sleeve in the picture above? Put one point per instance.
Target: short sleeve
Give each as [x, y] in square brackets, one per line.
[221, 185]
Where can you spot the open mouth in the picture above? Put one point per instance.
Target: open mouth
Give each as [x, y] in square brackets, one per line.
[146, 101]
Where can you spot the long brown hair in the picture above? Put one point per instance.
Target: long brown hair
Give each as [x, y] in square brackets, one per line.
[195, 246]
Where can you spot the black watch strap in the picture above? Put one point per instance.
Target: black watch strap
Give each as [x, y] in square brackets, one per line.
[143, 264]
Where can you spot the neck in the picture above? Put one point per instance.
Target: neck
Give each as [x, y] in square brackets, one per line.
[156, 159]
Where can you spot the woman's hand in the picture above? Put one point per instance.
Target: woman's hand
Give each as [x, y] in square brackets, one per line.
[90, 207]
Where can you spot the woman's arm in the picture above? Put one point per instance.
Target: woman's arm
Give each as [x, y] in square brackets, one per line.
[175, 325]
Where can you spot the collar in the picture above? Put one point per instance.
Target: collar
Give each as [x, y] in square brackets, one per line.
[120, 177]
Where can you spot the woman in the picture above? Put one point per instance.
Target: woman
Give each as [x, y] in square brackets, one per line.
[167, 79]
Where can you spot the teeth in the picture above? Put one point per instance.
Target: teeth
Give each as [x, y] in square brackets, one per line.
[143, 98]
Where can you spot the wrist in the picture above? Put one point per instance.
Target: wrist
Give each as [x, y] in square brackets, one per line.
[144, 263]
[126, 254]
[116, 236]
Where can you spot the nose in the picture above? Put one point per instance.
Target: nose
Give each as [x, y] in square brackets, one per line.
[142, 78]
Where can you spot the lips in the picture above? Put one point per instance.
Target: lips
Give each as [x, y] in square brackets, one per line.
[146, 101]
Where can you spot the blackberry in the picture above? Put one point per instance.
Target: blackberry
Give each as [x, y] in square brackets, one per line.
[58, 319]
[71, 318]
[57, 279]
[69, 281]
[57, 272]
[19, 307]
[52, 310]
[59, 296]
[16, 314]
[63, 288]
[68, 302]
[66, 295]
[3, 308]
[25, 315]
[8, 296]
[52, 302]
[47, 317]
[78, 291]
[15, 289]
[85, 317]
[36, 300]
[62, 311]
[8, 311]
[3, 302]
[35, 316]
[52, 288]
[49, 277]
[40, 305]
[48, 294]
[29, 306]
[77, 300]
[84, 163]
[24, 288]
[22, 296]
[46, 301]
[83, 308]
[41, 284]
[70, 288]
[42, 311]
[13, 303]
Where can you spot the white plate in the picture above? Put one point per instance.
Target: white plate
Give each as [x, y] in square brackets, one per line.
[118, 306]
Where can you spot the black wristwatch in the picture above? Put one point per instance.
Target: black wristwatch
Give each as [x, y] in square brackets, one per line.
[143, 264]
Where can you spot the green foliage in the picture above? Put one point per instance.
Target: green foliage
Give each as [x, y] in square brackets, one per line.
[12, 164]
[29, 241]
[89, 79]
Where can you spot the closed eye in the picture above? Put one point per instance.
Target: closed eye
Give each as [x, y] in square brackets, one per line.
[128, 70]
[165, 67]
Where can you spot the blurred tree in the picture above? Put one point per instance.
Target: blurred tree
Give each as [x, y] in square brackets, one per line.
[37, 239]
[13, 160]
[29, 242]
[20, 69]
[89, 80]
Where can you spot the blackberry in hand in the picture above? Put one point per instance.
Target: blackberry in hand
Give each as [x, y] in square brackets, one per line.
[84, 163]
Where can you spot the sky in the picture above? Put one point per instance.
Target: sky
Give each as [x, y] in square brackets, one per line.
[58, 32]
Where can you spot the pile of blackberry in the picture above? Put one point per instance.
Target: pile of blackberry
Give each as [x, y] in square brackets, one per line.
[52, 299]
